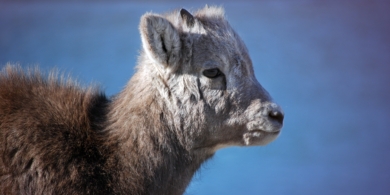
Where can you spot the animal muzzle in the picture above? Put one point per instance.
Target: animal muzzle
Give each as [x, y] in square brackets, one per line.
[264, 124]
[275, 116]
[268, 118]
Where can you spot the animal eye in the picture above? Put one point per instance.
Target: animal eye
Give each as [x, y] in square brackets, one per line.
[212, 73]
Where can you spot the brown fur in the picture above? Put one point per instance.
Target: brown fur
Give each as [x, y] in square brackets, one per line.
[58, 138]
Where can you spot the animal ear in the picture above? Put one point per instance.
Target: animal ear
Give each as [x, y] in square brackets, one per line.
[187, 17]
[160, 39]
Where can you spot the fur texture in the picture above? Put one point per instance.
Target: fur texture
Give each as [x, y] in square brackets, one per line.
[58, 138]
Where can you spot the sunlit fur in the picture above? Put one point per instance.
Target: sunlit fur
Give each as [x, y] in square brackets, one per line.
[58, 138]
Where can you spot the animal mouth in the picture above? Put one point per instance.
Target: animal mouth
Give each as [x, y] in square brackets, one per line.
[263, 131]
[259, 137]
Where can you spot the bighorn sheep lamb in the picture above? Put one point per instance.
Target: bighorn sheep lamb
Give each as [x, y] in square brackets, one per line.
[193, 93]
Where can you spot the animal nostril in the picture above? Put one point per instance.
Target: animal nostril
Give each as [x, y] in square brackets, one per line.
[277, 116]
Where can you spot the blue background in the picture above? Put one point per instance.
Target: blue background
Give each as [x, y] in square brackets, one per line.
[326, 62]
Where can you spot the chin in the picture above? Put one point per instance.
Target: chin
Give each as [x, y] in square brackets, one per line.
[259, 138]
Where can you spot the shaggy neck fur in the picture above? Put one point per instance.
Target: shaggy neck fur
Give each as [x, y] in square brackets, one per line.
[154, 152]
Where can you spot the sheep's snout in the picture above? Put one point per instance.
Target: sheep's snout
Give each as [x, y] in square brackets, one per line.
[275, 115]
[268, 117]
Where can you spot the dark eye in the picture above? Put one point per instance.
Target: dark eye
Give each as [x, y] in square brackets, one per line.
[212, 73]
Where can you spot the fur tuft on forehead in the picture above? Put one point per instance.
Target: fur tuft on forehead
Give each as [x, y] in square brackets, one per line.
[208, 15]
[214, 12]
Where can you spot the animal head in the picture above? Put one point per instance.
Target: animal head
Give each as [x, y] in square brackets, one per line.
[204, 74]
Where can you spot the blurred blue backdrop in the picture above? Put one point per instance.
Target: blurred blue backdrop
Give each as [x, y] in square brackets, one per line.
[326, 62]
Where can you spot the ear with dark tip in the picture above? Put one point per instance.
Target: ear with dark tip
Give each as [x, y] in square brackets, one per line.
[187, 17]
[160, 40]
